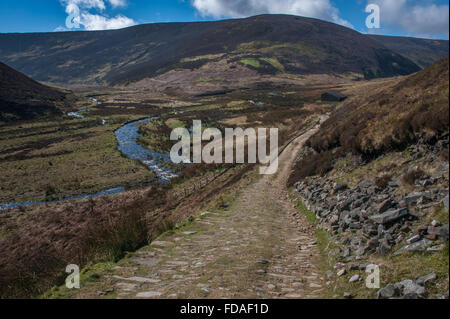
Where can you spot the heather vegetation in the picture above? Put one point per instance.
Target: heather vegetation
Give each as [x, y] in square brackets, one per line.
[370, 173]
[268, 44]
[392, 118]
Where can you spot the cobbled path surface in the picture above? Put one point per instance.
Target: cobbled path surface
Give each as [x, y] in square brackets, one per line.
[259, 247]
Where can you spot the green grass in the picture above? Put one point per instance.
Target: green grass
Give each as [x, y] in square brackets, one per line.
[275, 63]
[324, 240]
[62, 159]
[175, 123]
[88, 277]
[252, 62]
[310, 216]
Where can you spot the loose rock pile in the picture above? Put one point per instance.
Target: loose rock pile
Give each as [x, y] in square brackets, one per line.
[379, 220]
[371, 220]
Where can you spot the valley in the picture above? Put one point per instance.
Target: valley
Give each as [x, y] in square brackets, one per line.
[86, 176]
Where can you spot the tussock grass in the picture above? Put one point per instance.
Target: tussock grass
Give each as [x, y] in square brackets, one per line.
[390, 119]
[35, 158]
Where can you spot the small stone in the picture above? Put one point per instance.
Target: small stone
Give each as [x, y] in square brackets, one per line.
[366, 183]
[389, 216]
[345, 253]
[127, 286]
[384, 206]
[361, 251]
[149, 294]
[161, 243]
[413, 239]
[225, 205]
[410, 288]
[271, 287]
[373, 243]
[94, 276]
[415, 214]
[435, 223]
[106, 292]
[354, 278]
[339, 265]
[417, 246]
[341, 272]
[339, 187]
[138, 279]
[348, 295]
[445, 202]
[390, 291]
[422, 281]
[414, 197]
[405, 228]
[394, 184]
[411, 296]
[436, 248]
[188, 233]
[384, 248]
[434, 231]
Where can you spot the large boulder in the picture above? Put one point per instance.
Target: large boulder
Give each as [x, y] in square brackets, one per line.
[389, 216]
[411, 290]
[390, 291]
[417, 246]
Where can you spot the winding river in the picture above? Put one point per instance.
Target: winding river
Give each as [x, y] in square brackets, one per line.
[127, 137]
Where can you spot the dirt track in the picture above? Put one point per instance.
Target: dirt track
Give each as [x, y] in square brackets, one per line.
[260, 247]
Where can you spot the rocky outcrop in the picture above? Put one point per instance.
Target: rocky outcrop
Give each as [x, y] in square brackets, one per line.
[379, 219]
[369, 218]
[408, 289]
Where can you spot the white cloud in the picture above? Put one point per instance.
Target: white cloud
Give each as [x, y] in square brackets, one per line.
[60, 29]
[423, 18]
[321, 9]
[98, 21]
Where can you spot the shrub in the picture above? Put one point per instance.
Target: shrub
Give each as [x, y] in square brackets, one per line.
[410, 177]
[383, 181]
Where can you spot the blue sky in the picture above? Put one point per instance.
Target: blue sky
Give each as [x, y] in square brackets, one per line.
[424, 18]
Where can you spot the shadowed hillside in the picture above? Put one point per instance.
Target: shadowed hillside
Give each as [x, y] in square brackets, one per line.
[24, 98]
[391, 118]
[267, 44]
[423, 52]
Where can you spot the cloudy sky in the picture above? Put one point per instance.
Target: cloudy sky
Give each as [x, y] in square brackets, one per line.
[420, 18]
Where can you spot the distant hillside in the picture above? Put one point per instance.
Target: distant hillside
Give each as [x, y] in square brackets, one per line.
[386, 119]
[423, 52]
[267, 44]
[24, 98]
